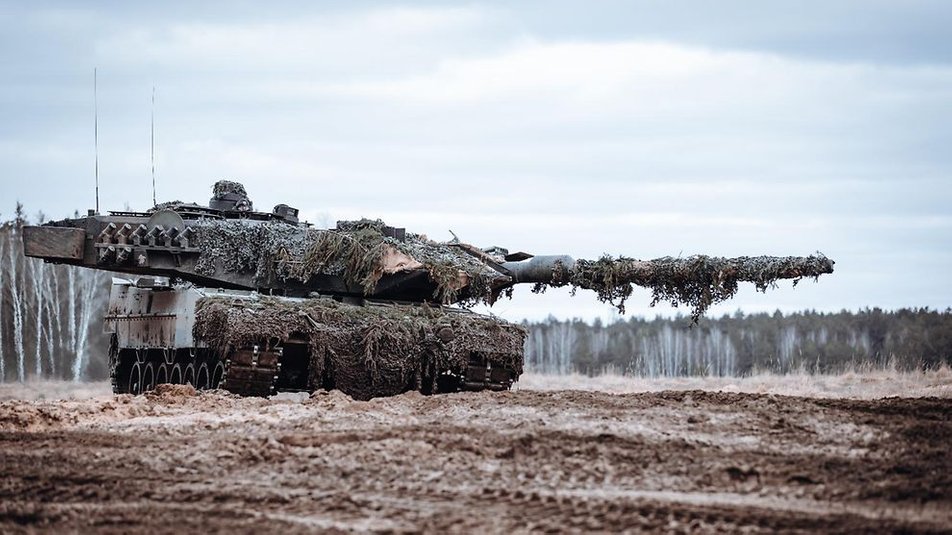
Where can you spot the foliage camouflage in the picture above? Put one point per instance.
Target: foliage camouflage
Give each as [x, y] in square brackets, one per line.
[353, 251]
[364, 351]
[697, 281]
[224, 187]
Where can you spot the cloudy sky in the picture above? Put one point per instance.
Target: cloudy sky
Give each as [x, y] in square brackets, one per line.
[640, 128]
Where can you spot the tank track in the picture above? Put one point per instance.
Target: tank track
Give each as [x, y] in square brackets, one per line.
[254, 371]
[135, 371]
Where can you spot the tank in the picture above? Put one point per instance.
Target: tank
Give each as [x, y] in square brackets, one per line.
[253, 302]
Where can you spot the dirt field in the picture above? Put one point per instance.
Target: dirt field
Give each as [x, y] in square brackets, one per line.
[529, 460]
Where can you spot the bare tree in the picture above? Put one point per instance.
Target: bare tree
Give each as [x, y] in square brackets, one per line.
[50, 312]
[3, 366]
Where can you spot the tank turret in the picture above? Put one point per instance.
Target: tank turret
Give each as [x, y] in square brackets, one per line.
[259, 301]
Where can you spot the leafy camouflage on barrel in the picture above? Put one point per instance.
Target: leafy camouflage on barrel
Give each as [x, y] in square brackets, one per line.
[223, 296]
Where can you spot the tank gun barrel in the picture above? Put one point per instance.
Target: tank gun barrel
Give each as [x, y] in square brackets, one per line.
[539, 269]
[698, 281]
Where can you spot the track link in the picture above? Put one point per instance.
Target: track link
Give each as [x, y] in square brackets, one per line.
[252, 371]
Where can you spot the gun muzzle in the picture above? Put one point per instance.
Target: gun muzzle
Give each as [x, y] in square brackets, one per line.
[545, 269]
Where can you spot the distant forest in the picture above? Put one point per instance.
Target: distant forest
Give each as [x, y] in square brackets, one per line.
[744, 343]
[51, 327]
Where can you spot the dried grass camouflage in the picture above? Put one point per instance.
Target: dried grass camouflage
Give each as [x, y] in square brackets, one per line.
[697, 281]
[364, 351]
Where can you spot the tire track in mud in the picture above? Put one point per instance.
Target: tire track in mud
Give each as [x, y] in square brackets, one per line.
[515, 461]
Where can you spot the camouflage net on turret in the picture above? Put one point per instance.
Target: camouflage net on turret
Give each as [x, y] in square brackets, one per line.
[354, 251]
[224, 187]
[697, 281]
[364, 351]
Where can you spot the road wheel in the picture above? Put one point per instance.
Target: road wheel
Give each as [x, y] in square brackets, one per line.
[218, 375]
[175, 376]
[189, 377]
[162, 374]
[202, 379]
[148, 377]
[134, 380]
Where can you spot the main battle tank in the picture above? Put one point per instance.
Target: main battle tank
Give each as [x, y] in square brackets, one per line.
[223, 296]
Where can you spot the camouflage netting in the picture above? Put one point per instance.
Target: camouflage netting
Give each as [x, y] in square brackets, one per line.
[167, 205]
[224, 187]
[242, 246]
[364, 351]
[697, 281]
[354, 251]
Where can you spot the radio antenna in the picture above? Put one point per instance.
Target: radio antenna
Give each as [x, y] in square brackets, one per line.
[96, 133]
[154, 203]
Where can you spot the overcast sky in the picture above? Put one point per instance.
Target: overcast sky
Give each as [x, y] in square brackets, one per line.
[640, 128]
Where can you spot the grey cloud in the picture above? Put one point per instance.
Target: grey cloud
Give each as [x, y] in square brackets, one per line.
[786, 129]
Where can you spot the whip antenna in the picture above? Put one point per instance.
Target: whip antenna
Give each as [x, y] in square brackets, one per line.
[153, 146]
[96, 133]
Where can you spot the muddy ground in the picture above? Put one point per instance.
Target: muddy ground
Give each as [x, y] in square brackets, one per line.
[527, 460]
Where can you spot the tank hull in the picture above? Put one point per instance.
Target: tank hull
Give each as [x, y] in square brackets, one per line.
[257, 345]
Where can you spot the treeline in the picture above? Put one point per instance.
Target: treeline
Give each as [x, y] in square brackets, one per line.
[742, 343]
[51, 327]
[50, 315]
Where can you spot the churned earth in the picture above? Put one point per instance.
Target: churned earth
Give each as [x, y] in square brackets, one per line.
[526, 460]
